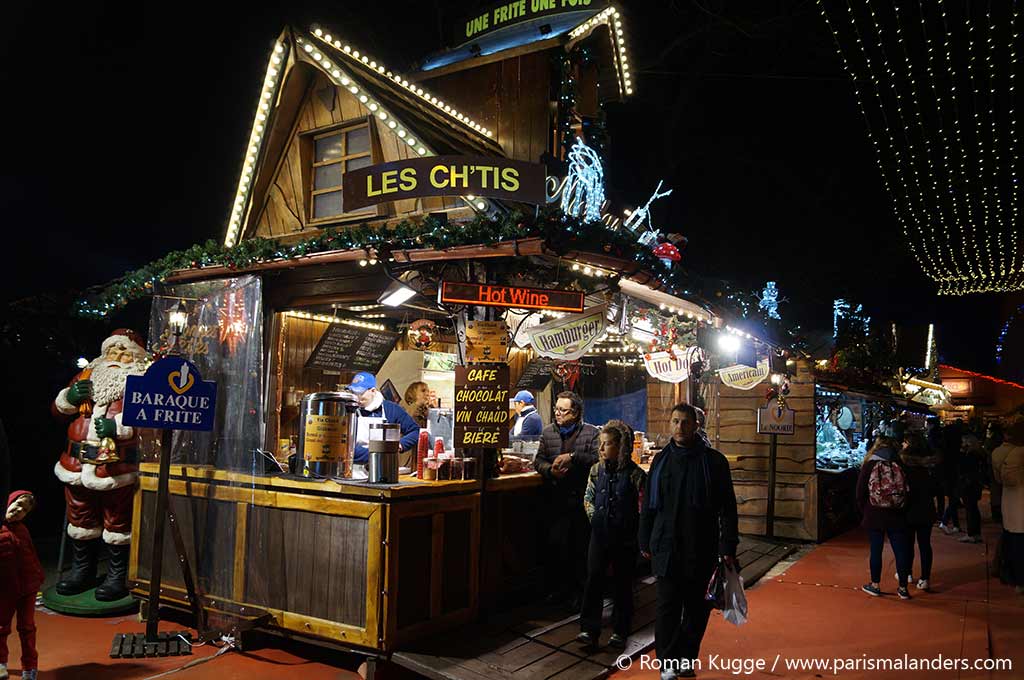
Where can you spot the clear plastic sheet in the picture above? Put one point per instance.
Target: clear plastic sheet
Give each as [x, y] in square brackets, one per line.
[224, 339]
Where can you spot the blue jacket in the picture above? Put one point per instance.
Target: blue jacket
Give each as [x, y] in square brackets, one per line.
[393, 413]
[532, 424]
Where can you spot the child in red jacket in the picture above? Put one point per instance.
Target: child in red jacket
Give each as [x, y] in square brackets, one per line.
[21, 575]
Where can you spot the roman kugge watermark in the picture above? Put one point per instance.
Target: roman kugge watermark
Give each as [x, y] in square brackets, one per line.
[783, 665]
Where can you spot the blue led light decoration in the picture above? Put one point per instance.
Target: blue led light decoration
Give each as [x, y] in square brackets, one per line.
[1001, 343]
[583, 194]
[769, 301]
[841, 309]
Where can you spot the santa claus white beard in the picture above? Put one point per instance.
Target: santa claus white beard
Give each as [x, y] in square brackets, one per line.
[108, 379]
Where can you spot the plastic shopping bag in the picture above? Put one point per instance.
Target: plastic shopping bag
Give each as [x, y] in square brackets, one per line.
[735, 610]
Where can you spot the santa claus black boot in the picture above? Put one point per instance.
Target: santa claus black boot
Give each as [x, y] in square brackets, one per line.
[83, 567]
[114, 586]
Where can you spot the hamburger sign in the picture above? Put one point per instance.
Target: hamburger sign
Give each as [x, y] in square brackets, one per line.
[570, 337]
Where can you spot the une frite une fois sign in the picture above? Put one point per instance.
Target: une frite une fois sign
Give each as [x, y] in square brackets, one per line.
[445, 176]
[489, 295]
[510, 13]
[171, 395]
[481, 406]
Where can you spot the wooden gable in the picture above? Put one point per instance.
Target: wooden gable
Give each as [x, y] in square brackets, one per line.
[283, 207]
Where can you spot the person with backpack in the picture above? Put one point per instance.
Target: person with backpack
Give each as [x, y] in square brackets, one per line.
[918, 464]
[882, 492]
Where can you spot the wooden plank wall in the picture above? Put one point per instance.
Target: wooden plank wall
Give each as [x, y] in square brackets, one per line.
[732, 427]
[307, 563]
[511, 97]
[661, 397]
[285, 209]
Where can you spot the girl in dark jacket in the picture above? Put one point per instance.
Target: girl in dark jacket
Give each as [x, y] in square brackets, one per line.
[612, 502]
[884, 521]
[918, 464]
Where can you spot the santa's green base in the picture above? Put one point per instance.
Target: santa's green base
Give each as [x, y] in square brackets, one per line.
[86, 604]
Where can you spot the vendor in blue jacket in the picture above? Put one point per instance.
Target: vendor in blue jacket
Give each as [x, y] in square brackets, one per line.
[528, 422]
[374, 408]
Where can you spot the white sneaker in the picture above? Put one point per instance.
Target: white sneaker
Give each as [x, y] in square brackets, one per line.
[3, 671]
[922, 584]
[949, 530]
[668, 674]
[29, 675]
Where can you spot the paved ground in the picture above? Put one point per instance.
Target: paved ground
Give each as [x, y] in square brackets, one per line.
[816, 609]
[813, 609]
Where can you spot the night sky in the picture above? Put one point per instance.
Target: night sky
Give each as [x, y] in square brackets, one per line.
[125, 127]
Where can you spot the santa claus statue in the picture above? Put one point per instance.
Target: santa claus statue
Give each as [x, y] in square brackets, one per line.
[100, 465]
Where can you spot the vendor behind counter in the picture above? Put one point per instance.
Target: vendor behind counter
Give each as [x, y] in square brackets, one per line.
[374, 408]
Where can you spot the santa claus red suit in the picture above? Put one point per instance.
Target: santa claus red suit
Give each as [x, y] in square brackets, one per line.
[99, 465]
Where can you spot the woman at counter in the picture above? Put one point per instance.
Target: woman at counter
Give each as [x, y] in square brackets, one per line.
[417, 402]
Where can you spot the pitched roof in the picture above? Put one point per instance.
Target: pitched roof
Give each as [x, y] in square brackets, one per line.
[427, 124]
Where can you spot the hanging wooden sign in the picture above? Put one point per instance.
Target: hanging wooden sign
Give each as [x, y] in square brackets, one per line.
[670, 368]
[569, 337]
[744, 377]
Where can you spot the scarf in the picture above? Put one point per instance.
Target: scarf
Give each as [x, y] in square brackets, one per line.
[566, 430]
[696, 477]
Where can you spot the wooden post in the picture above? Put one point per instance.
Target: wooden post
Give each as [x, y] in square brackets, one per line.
[159, 520]
[770, 519]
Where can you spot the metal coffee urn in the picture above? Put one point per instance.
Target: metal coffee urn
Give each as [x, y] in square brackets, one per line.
[327, 433]
[385, 440]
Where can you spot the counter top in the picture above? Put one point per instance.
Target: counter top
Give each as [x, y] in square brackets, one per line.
[408, 486]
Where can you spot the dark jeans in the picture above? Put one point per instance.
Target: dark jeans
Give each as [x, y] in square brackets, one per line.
[951, 517]
[973, 515]
[923, 536]
[899, 541]
[681, 597]
[565, 550]
[622, 559]
[940, 505]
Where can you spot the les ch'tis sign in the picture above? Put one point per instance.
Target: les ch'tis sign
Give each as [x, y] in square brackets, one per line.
[491, 177]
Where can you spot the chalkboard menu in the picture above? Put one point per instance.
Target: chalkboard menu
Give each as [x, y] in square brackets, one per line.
[481, 406]
[349, 348]
[536, 375]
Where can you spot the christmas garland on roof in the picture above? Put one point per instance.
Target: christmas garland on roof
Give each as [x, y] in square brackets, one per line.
[560, 232]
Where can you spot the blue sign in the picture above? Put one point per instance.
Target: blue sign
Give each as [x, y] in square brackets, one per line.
[172, 395]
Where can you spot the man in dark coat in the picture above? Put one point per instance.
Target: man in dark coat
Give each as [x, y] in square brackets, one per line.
[567, 451]
[689, 520]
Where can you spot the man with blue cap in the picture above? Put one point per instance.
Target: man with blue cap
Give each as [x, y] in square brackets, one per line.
[374, 408]
[528, 422]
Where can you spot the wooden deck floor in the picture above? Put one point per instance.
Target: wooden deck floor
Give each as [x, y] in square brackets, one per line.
[538, 642]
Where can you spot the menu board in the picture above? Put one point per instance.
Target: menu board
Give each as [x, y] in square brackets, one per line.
[349, 348]
[535, 376]
[481, 406]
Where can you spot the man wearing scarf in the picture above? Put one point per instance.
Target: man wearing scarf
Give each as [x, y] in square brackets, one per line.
[688, 522]
[567, 451]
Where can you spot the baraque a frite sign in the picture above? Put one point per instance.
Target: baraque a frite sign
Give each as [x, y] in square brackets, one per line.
[171, 395]
[519, 297]
[445, 176]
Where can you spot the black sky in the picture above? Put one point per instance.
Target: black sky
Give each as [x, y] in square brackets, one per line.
[126, 122]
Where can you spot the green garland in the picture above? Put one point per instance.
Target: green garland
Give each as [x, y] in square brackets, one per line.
[561, 233]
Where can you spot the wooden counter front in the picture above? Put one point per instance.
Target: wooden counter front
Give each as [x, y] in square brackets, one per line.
[363, 567]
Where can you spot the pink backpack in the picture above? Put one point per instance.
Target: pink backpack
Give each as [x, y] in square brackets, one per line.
[887, 486]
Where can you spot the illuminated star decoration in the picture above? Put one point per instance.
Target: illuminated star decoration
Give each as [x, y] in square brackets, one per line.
[935, 84]
[770, 300]
[639, 216]
[231, 320]
[583, 194]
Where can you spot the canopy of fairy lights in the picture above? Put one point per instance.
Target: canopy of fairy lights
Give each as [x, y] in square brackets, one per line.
[935, 82]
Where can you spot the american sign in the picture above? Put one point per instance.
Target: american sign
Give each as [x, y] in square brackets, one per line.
[743, 377]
